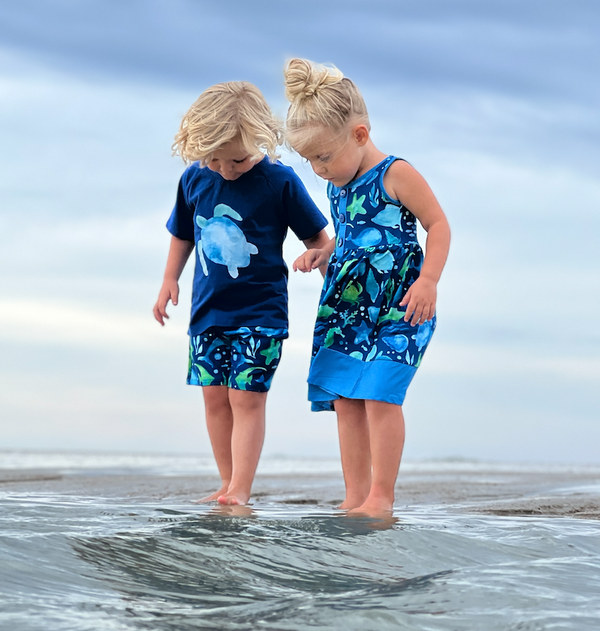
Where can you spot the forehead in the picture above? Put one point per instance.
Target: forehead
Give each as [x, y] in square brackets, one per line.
[233, 150]
[326, 142]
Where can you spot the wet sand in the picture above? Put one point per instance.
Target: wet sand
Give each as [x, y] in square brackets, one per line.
[559, 492]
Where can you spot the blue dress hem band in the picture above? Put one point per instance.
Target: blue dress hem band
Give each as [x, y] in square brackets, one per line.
[334, 375]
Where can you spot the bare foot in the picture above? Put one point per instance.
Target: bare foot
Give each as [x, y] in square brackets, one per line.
[213, 496]
[353, 500]
[233, 497]
[349, 504]
[376, 507]
[373, 520]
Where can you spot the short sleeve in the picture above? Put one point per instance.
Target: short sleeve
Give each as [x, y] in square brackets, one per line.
[303, 216]
[181, 221]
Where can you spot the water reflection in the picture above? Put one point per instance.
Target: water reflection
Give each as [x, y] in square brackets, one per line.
[283, 567]
[229, 564]
[233, 511]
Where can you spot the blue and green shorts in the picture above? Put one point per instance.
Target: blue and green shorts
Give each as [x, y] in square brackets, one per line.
[243, 359]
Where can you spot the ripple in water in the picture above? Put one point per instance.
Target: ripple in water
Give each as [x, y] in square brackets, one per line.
[75, 564]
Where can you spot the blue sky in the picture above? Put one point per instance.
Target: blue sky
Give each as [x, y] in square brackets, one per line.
[496, 103]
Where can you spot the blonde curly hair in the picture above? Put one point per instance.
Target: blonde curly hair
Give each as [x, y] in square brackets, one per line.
[320, 97]
[222, 113]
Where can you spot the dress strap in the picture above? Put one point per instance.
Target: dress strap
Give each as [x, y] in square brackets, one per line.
[385, 196]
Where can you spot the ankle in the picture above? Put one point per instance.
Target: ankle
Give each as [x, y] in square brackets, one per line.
[382, 492]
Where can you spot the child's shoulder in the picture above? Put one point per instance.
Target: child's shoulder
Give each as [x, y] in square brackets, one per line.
[397, 176]
[196, 176]
[192, 172]
[276, 169]
[278, 175]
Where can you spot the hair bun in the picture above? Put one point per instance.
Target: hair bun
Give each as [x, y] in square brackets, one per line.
[303, 79]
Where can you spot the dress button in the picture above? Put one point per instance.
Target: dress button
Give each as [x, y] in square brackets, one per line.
[343, 193]
[340, 242]
[342, 218]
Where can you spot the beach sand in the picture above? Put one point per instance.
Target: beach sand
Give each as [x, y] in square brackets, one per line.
[504, 491]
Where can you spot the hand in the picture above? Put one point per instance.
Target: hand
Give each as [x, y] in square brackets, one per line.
[310, 260]
[169, 291]
[420, 301]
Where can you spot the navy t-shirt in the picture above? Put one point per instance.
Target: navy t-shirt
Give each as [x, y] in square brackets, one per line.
[239, 227]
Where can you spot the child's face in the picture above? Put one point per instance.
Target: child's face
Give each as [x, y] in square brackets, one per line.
[231, 160]
[336, 160]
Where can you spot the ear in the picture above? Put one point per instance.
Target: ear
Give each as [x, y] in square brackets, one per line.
[361, 134]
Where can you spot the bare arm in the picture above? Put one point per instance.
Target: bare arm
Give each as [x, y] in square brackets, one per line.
[179, 252]
[319, 249]
[403, 182]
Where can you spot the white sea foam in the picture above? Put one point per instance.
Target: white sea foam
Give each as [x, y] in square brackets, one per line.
[186, 464]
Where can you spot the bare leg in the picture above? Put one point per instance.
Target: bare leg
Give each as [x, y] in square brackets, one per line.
[353, 430]
[219, 422]
[386, 431]
[246, 443]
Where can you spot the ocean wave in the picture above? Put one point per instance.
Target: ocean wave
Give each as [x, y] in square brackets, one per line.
[87, 564]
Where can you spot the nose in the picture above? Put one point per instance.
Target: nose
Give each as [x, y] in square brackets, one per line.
[227, 170]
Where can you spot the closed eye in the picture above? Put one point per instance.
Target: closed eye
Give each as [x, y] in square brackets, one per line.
[240, 161]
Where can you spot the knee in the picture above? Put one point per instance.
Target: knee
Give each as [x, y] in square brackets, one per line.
[216, 399]
[247, 401]
[380, 410]
[350, 410]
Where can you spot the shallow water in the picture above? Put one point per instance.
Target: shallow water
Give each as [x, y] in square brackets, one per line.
[76, 563]
[85, 563]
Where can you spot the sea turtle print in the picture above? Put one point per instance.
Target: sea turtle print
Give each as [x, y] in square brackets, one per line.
[223, 242]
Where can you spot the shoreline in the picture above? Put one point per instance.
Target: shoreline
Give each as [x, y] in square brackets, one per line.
[537, 492]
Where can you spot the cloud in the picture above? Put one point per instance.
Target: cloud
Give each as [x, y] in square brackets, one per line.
[541, 48]
[39, 323]
[495, 103]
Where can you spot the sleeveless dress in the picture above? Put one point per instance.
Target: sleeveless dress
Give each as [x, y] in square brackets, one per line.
[362, 347]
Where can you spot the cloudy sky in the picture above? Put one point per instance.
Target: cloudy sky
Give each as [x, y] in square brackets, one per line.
[495, 102]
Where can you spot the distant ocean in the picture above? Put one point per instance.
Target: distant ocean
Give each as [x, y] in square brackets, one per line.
[82, 561]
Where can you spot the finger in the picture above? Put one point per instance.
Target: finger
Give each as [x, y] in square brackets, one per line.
[415, 319]
[428, 312]
[301, 263]
[418, 315]
[157, 315]
[175, 296]
[162, 309]
[424, 317]
[406, 299]
[415, 314]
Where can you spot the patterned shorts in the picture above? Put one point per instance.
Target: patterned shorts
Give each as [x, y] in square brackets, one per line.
[244, 359]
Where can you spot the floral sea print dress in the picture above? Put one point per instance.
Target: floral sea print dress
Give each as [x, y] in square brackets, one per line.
[362, 347]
